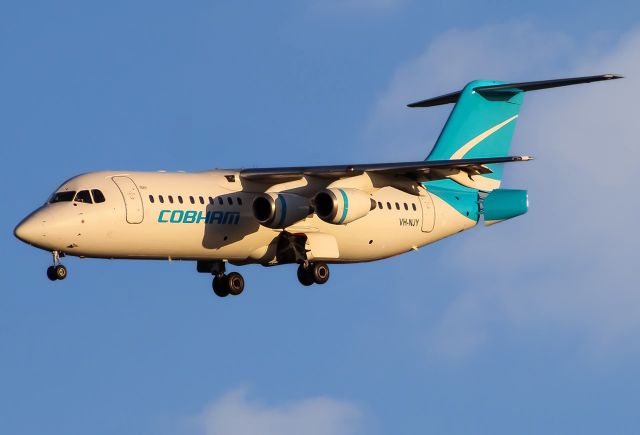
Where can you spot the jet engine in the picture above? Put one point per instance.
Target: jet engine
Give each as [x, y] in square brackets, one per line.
[340, 206]
[280, 210]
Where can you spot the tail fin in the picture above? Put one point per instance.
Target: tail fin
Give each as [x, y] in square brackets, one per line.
[483, 120]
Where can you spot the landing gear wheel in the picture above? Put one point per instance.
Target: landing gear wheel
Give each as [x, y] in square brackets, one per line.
[304, 275]
[235, 283]
[320, 272]
[60, 271]
[51, 273]
[220, 286]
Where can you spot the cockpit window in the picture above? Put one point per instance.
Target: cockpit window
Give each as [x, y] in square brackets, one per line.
[62, 196]
[83, 196]
[98, 197]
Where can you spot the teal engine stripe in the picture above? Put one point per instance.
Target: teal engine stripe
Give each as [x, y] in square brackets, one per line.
[345, 210]
[283, 203]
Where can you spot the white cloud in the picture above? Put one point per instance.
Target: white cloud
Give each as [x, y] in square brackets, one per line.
[567, 269]
[510, 52]
[235, 414]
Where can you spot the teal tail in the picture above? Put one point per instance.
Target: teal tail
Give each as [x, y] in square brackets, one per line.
[483, 120]
[480, 126]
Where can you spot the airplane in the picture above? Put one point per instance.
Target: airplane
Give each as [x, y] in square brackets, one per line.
[312, 216]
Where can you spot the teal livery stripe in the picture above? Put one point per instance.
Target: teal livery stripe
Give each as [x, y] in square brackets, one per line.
[345, 210]
[463, 199]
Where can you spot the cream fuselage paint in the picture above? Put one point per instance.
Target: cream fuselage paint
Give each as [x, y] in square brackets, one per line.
[102, 230]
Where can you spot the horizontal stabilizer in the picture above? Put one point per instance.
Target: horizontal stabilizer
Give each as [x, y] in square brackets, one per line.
[511, 88]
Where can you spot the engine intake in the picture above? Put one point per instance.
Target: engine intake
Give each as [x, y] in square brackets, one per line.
[340, 206]
[280, 210]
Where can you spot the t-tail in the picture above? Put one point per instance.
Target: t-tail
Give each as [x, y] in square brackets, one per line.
[482, 123]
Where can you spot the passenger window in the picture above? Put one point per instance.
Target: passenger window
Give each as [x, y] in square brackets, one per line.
[201, 200]
[83, 196]
[62, 196]
[414, 206]
[389, 205]
[210, 200]
[239, 200]
[406, 207]
[379, 205]
[397, 206]
[98, 197]
[161, 199]
[150, 199]
[180, 199]
[170, 199]
[192, 200]
[230, 200]
[220, 201]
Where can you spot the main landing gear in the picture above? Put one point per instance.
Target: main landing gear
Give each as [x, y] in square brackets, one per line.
[57, 271]
[309, 273]
[225, 285]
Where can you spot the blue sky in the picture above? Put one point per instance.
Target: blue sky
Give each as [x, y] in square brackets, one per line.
[529, 326]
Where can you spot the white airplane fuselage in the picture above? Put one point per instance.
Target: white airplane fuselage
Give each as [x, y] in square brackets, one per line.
[209, 216]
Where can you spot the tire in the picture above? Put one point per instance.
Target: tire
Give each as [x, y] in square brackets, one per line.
[235, 283]
[51, 273]
[60, 271]
[219, 286]
[320, 272]
[304, 275]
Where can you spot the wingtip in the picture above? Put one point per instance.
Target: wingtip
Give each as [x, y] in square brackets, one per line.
[613, 76]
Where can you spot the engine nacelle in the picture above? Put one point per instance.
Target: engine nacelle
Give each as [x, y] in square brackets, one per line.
[340, 206]
[280, 210]
[503, 204]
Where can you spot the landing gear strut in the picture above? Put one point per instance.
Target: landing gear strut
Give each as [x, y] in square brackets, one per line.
[309, 273]
[57, 271]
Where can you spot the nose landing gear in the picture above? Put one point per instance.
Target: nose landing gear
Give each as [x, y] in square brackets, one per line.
[57, 271]
[310, 273]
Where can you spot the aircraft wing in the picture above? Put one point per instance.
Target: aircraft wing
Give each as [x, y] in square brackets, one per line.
[418, 171]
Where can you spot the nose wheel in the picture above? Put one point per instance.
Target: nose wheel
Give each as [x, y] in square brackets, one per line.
[311, 273]
[57, 271]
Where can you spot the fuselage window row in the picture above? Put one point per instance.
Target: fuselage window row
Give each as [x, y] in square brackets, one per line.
[152, 199]
[390, 207]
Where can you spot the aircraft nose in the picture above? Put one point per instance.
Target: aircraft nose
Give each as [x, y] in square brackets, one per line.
[32, 228]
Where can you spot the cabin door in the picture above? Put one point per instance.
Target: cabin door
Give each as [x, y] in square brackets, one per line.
[132, 199]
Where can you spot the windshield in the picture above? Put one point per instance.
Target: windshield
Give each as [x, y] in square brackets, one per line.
[83, 196]
[62, 197]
